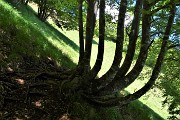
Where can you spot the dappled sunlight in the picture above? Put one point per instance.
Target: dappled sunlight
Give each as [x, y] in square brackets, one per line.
[59, 43]
[16, 14]
[38, 103]
[10, 69]
[140, 81]
[70, 45]
[38, 34]
[20, 81]
[64, 117]
[57, 39]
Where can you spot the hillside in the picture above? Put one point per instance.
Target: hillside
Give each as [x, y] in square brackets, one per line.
[30, 48]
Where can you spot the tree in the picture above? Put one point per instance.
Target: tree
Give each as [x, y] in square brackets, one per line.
[45, 8]
[104, 91]
[63, 13]
[66, 13]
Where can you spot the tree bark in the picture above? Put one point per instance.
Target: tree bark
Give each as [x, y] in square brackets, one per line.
[107, 77]
[122, 82]
[132, 41]
[93, 73]
[89, 34]
[42, 10]
[81, 36]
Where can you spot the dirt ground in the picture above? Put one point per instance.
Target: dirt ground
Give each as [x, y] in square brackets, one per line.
[32, 93]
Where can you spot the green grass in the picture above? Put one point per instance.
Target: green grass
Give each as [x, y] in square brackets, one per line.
[108, 53]
[45, 39]
[35, 37]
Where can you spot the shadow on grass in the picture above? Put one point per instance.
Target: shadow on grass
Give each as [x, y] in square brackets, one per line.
[139, 111]
[94, 42]
[64, 38]
[32, 15]
[56, 53]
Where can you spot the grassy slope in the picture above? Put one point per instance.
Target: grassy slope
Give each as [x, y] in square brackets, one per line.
[48, 41]
[45, 39]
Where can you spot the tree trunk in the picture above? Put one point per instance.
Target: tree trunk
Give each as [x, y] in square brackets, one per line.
[124, 81]
[87, 78]
[42, 10]
[81, 36]
[132, 41]
[115, 100]
[89, 34]
[109, 76]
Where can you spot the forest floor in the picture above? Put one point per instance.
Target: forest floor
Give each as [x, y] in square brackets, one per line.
[30, 93]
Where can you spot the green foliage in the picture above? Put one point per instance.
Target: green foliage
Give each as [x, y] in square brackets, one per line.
[169, 80]
[67, 14]
[170, 83]
[110, 31]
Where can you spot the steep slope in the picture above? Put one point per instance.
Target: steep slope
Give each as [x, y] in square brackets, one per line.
[26, 34]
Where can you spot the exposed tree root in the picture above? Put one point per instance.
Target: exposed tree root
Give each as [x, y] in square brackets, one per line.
[33, 93]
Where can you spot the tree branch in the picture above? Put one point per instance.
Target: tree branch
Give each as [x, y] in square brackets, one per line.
[93, 73]
[132, 41]
[160, 8]
[120, 82]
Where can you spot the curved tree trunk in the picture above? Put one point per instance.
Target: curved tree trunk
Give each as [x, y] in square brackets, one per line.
[132, 41]
[114, 100]
[104, 91]
[110, 74]
[122, 82]
[87, 78]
